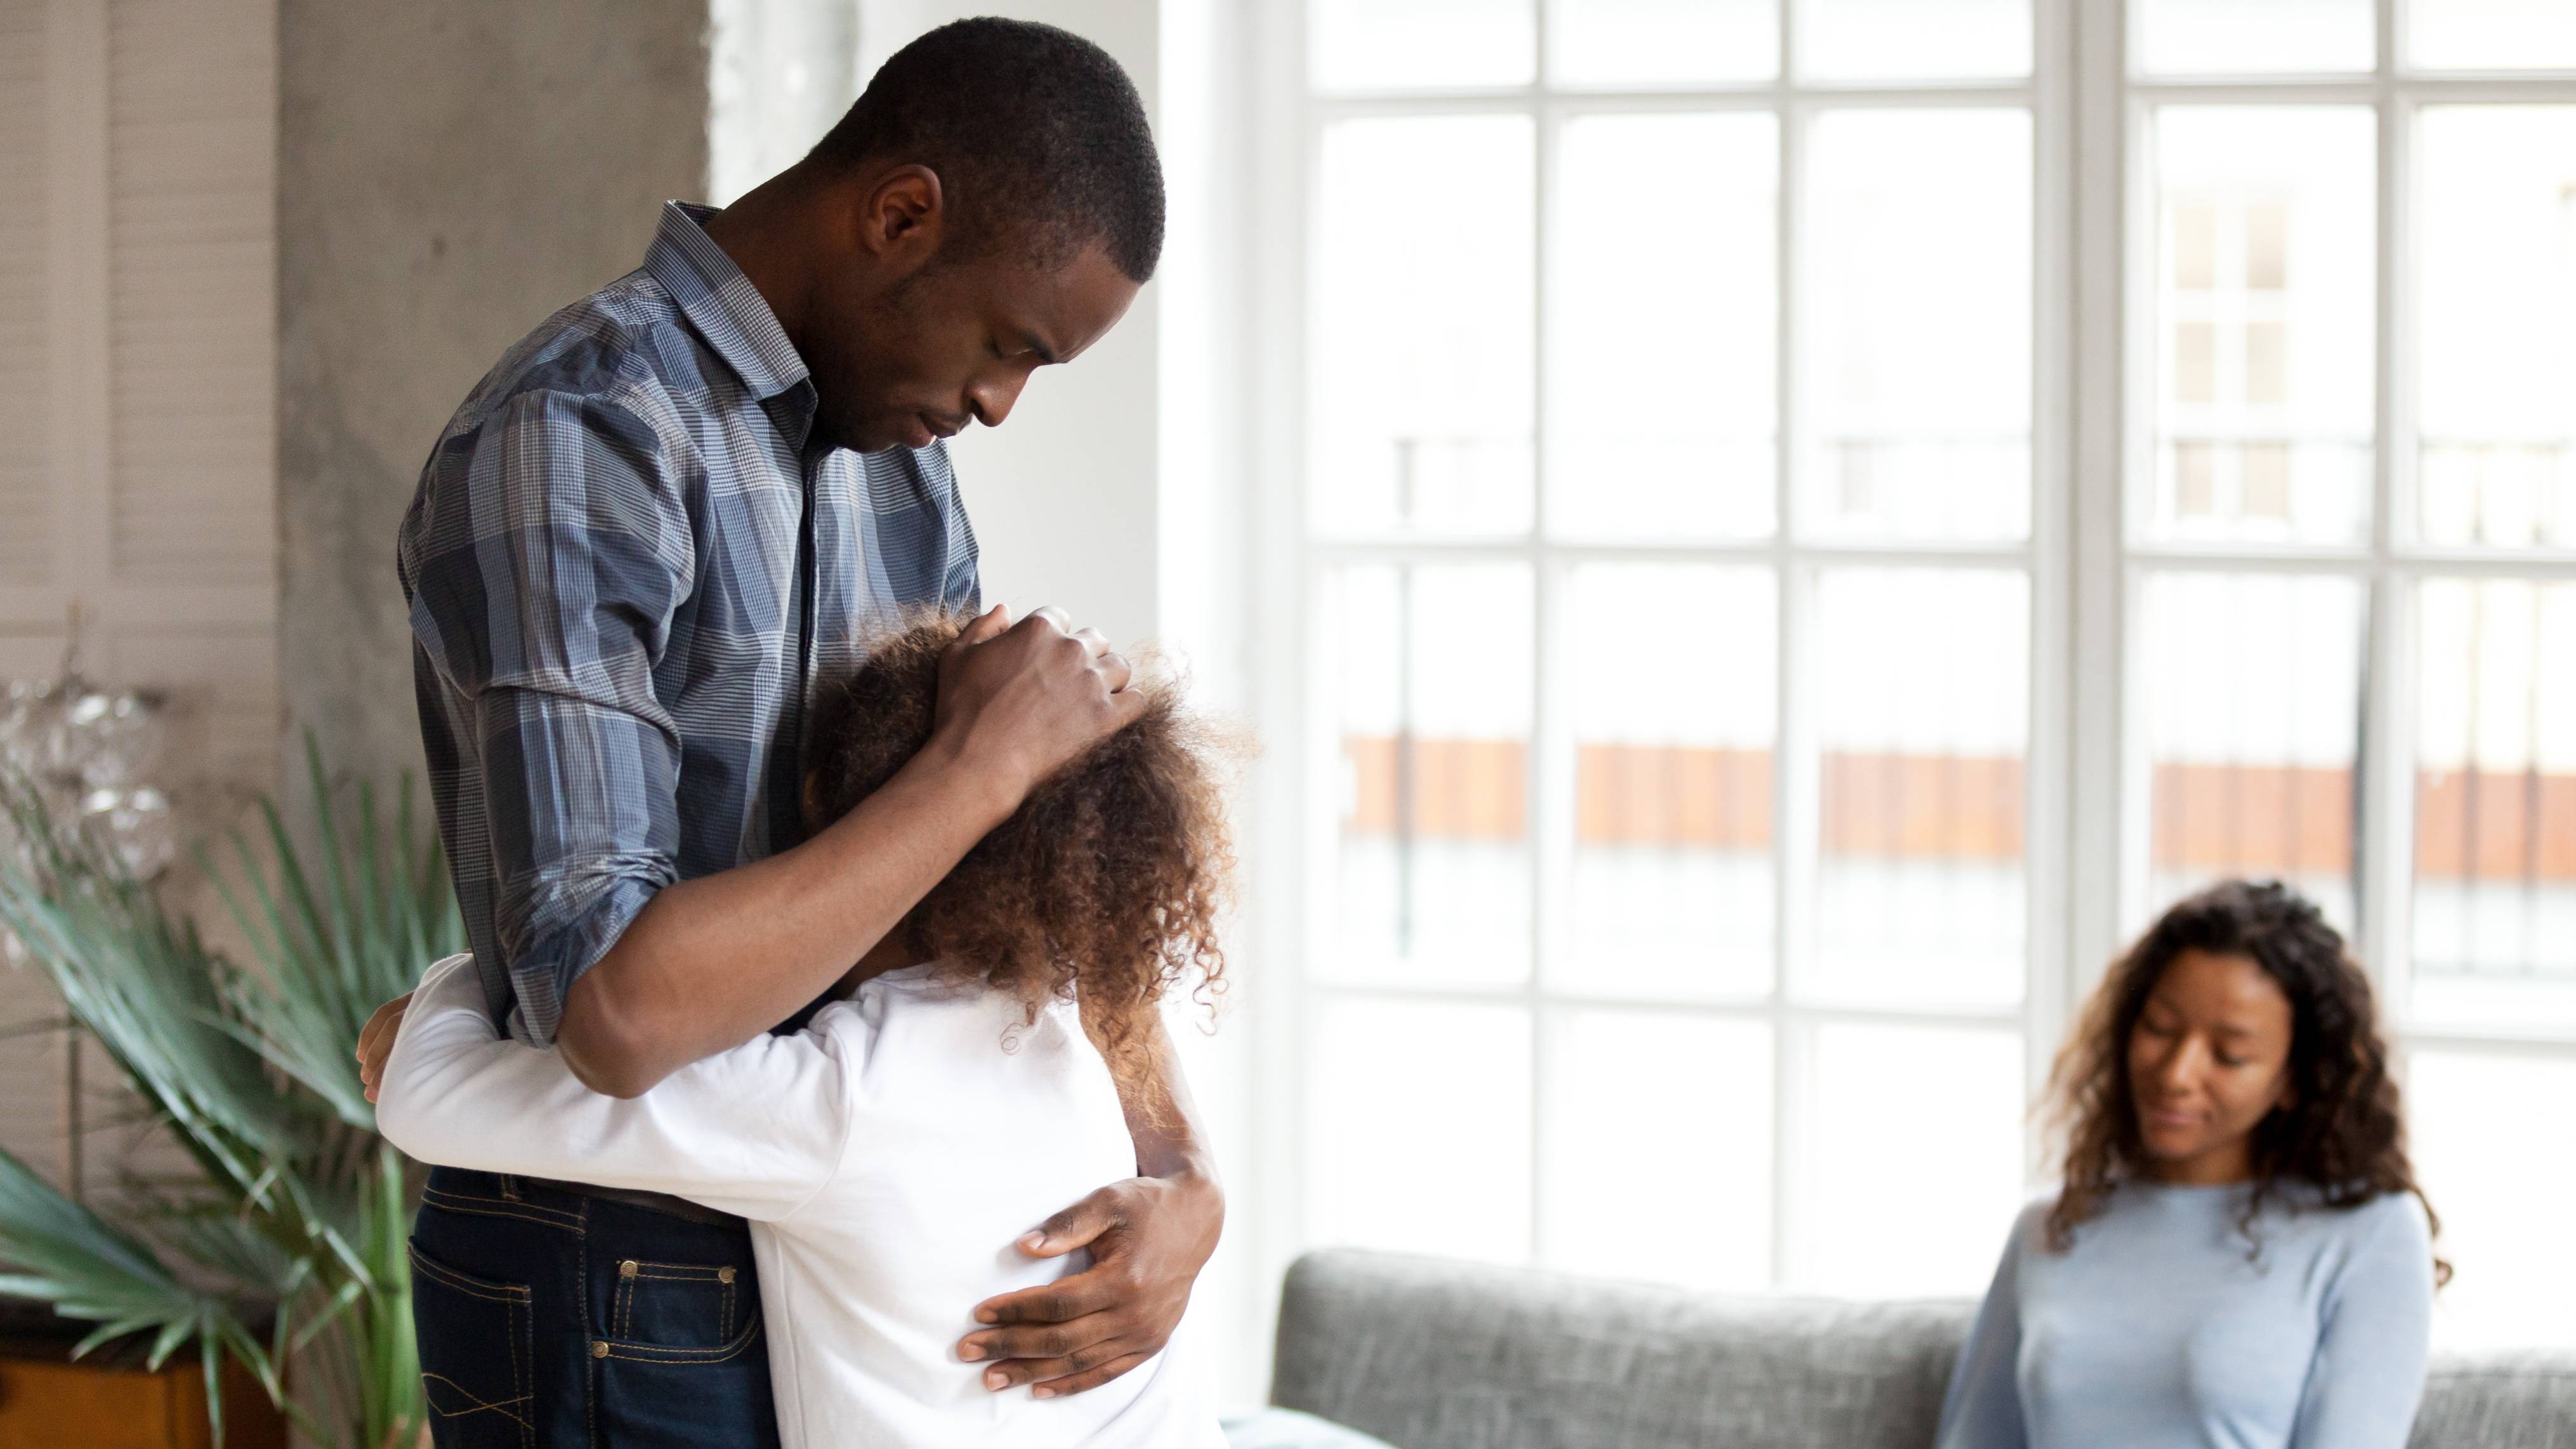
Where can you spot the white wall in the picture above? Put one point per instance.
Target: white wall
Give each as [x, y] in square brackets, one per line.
[779, 73]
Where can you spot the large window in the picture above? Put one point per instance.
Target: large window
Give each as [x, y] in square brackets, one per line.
[2351, 534]
[1669, 494]
[1702, 758]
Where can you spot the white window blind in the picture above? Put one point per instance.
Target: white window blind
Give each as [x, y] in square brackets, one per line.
[138, 414]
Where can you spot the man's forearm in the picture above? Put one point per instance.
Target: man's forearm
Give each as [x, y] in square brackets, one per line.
[1163, 1118]
[710, 963]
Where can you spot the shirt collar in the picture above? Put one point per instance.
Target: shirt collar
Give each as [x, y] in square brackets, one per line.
[721, 302]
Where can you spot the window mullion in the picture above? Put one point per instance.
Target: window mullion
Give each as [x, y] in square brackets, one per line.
[2386, 881]
[2383, 880]
[1551, 783]
[2048, 755]
[1794, 770]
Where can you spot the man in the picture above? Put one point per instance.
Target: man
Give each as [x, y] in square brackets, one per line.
[643, 535]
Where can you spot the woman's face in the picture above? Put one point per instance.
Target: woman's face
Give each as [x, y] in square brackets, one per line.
[2208, 1060]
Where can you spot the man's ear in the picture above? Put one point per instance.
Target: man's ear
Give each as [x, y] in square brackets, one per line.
[905, 214]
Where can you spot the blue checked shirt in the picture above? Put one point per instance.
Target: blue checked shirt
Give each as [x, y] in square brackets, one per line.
[626, 564]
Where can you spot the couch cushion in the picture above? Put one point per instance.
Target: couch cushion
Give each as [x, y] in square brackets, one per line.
[1430, 1354]
[2498, 1401]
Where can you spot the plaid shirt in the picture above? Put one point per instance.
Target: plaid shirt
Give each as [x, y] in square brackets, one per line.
[625, 566]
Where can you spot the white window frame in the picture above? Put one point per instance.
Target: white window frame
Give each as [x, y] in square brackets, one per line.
[1294, 854]
[2388, 565]
[2088, 809]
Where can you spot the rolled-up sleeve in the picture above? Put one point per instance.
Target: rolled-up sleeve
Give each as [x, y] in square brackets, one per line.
[544, 582]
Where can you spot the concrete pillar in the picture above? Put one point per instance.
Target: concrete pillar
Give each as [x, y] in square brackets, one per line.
[449, 172]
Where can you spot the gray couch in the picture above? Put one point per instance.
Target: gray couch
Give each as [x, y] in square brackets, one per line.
[1429, 1354]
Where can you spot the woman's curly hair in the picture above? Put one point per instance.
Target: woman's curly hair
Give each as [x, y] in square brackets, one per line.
[1104, 887]
[2343, 1132]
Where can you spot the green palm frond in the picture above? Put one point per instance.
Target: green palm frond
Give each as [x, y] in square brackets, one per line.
[144, 986]
[328, 958]
[299, 1212]
[63, 1253]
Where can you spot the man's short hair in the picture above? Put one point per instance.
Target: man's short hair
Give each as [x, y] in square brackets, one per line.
[1038, 136]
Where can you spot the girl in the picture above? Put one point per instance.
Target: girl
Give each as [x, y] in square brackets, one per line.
[2239, 1254]
[978, 1070]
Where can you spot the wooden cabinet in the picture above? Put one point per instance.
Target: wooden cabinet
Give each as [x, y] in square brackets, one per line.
[48, 1402]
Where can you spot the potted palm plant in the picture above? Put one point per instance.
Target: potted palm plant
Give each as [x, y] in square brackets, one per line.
[283, 1243]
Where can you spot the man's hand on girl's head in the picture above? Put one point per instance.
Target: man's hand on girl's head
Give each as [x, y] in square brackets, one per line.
[1018, 700]
[1149, 1237]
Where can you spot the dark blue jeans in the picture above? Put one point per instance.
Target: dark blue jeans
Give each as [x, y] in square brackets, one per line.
[550, 1318]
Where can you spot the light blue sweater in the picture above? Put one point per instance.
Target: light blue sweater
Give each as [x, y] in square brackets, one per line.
[2153, 1330]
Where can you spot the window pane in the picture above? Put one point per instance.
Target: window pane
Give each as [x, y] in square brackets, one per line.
[1662, 42]
[1418, 1134]
[1923, 704]
[2488, 1134]
[1385, 44]
[1672, 879]
[1661, 354]
[2495, 802]
[2271, 37]
[1421, 381]
[1432, 672]
[1899, 1105]
[1918, 404]
[2498, 311]
[2252, 701]
[1913, 39]
[2263, 297]
[2491, 34]
[1638, 1192]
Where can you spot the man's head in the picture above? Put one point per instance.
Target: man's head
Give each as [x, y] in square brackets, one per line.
[989, 206]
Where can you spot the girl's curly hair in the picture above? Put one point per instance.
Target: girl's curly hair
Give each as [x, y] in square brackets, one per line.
[2343, 1134]
[1104, 887]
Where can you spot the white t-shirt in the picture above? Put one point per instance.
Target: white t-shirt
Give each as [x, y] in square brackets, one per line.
[889, 1157]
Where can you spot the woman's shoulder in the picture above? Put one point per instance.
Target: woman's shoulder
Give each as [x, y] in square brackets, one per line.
[2032, 1221]
[2030, 1226]
[2395, 1221]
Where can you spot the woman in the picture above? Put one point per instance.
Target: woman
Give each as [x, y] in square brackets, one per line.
[2239, 1254]
[984, 1064]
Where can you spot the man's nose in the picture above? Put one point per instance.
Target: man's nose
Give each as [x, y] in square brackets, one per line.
[992, 398]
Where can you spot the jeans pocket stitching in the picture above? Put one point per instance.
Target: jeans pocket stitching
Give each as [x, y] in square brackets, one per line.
[457, 1202]
[481, 1404]
[517, 1302]
[685, 1357]
[449, 1278]
[684, 1272]
[622, 1310]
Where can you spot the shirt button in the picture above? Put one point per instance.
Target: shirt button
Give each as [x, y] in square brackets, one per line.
[599, 1348]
